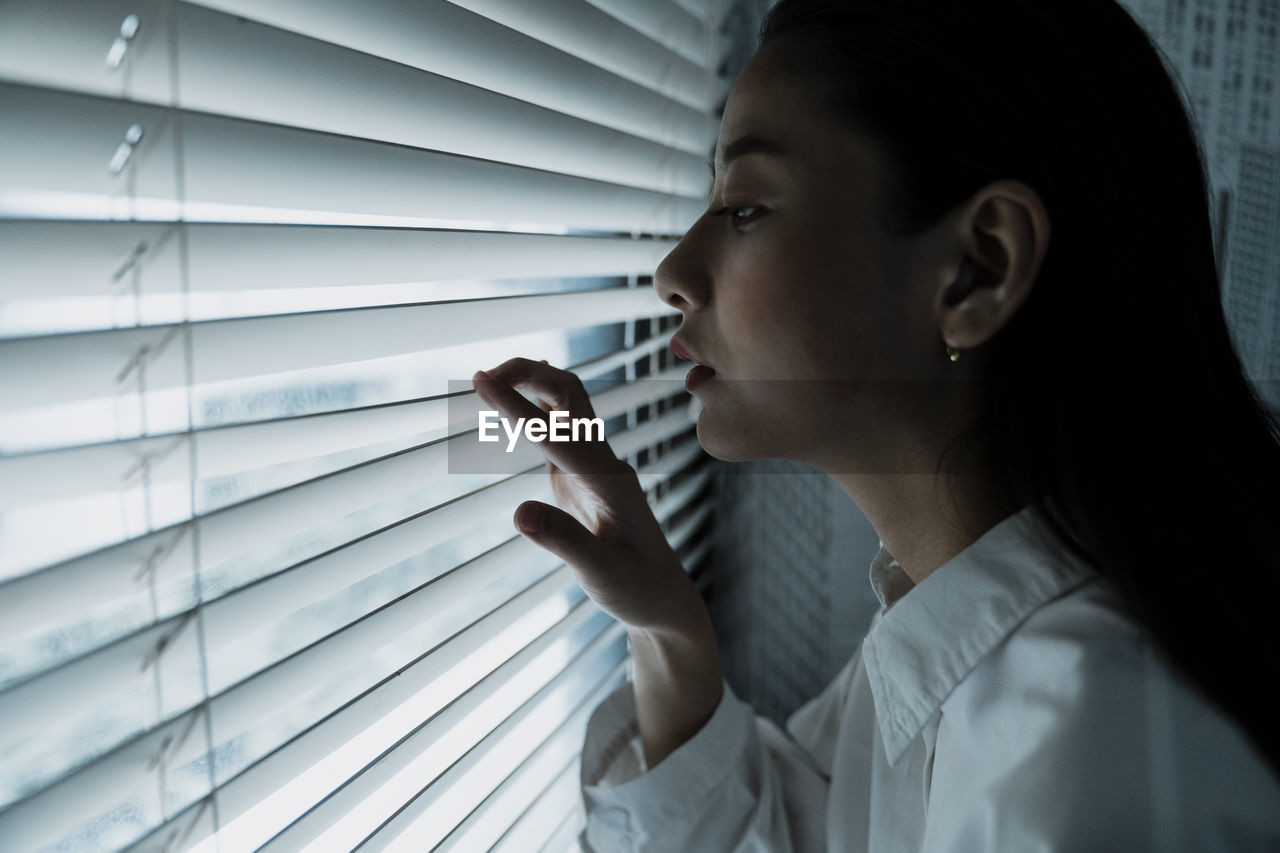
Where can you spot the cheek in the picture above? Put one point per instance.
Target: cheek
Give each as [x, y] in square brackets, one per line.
[797, 308]
[749, 303]
[834, 324]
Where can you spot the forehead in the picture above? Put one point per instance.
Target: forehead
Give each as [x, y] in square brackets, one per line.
[764, 103]
[779, 106]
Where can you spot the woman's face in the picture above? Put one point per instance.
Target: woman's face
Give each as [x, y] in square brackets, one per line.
[810, 313]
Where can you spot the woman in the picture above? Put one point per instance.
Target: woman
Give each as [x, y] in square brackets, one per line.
[957, 256]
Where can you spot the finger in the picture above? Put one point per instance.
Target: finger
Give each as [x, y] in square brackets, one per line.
[556, 388]
[562, 389]
[560, 533]
[499, 393]
[574, 457]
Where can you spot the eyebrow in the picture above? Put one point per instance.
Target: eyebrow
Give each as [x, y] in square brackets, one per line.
[749, 144]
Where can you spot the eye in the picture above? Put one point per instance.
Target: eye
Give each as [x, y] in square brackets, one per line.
[734, 212]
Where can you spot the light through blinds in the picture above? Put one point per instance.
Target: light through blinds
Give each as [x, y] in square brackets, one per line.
[245, 602]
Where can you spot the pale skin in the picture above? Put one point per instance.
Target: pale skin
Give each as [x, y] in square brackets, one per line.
[797, 281]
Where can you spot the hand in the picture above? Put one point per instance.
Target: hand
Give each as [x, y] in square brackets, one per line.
[608, 535]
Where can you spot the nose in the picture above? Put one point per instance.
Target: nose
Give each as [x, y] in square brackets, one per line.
[682, 279]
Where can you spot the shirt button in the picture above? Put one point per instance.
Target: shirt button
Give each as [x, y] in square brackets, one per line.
[616, 819]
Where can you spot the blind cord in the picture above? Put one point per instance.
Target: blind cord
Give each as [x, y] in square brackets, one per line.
[205, 709]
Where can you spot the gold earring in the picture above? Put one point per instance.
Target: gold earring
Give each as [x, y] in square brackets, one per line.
[952, 352]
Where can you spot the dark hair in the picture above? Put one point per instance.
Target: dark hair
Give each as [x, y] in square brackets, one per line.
[1119, 408]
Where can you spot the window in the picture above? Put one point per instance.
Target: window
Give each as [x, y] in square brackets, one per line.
[250, 251]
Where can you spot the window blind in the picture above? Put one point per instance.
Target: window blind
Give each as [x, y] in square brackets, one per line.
[245, 601]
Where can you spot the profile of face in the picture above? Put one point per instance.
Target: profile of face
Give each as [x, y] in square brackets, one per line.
[817, 320]
[790, 288]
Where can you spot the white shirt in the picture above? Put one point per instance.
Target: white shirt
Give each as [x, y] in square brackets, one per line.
[1005, 703]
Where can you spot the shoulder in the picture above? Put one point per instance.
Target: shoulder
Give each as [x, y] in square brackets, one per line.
[1077, 727]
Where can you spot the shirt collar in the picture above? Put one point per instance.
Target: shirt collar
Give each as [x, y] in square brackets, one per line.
[888, 579]
[923, 643]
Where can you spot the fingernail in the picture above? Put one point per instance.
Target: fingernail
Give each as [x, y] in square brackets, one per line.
[534, 521]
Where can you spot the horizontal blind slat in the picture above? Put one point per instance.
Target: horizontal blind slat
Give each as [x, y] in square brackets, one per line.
[239, 170]
[542, 770]
[704, 9]
[310, 757]
[249, 70]
[516, 563]
[265, 602]
[131, 567]
[37, 822]
[580, 29]
[232, 614]
[207, 157]
[565, 838]
[233, 164]
[428, 818]
[681, 494]
[45, 700]
[507, 688]
[681, 532]
[245, 802]
[137, 411]
[61, 474]
[57, 151]
[82, 794]
[65, 44]
[240, 707]
[242, 610]
[62, 368]
[62, 44]
[693, 560]
[438, 36]
[46, 259]
[535, 825]
[40, 819]
[667, 23]
[234, 529]
[254, 71]
[66, 691]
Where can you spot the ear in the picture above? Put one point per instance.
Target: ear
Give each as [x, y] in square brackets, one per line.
[1002, 234]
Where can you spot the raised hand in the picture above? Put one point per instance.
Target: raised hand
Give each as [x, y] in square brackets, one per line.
[603, 528]
[608, 534]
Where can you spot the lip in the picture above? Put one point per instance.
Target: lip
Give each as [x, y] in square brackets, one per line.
[683, 352]
[698, 374]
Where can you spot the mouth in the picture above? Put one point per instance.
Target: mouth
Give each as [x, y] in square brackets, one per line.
[683, 352]
[699, 373]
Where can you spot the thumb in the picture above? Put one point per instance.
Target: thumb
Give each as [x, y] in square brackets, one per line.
[560, 533]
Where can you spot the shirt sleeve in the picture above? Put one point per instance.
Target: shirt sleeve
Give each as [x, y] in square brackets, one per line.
[739, 784]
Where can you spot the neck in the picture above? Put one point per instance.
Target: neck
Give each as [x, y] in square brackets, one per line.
[925, 519]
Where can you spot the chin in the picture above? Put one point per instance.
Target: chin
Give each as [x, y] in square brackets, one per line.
[730, 442]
